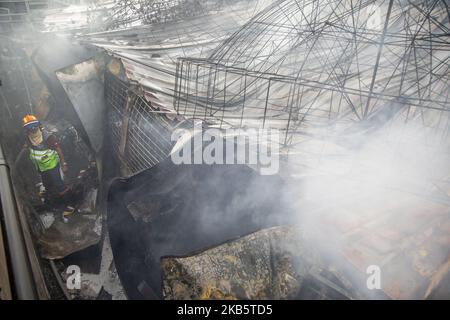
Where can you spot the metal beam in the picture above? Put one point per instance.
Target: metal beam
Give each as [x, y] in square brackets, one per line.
[380, 49]
[5, 285]
[21, 269]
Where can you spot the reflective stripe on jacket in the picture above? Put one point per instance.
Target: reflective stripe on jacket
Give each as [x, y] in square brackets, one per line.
[44, 160]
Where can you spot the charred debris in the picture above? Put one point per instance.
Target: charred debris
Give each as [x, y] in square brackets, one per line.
[358, 92]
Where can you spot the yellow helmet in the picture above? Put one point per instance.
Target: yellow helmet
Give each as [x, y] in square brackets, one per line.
[30, 121]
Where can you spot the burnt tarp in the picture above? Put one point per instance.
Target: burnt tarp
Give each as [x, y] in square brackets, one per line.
[180, 209]
[184, 231]
[268, 264]
[83, 84]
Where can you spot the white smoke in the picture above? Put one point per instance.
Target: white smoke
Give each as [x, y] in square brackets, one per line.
[347, 196]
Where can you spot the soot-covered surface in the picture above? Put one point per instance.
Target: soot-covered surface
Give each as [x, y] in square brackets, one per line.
[181, 209]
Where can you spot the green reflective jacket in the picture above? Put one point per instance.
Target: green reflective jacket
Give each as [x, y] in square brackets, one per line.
[44, 160]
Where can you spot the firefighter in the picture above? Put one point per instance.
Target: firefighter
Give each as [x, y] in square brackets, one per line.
[47, 157]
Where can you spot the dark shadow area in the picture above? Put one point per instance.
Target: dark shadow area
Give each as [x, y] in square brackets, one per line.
[181, 209]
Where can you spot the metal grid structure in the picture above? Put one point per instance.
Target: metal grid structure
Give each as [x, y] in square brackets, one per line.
[126, 13]
[115, 97]
[140, 135]
[13, 13]
[16, 13]
[306, 66]
[148, 136]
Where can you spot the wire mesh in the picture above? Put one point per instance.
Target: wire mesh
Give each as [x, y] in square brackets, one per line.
[126, 13]
[301, 65]
[140, 136]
